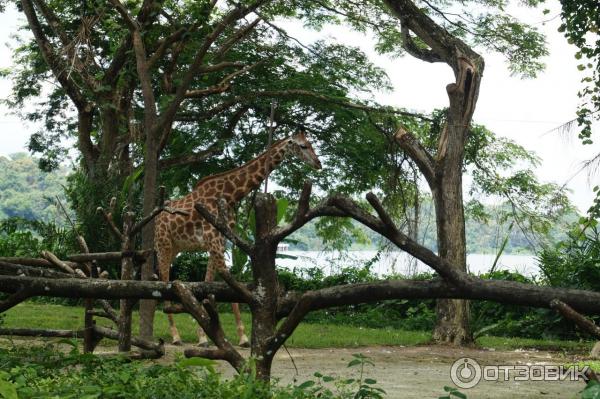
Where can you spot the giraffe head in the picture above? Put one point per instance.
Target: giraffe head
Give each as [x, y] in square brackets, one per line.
[303, 150]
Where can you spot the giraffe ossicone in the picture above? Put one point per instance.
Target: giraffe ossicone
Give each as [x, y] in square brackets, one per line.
[175, 233]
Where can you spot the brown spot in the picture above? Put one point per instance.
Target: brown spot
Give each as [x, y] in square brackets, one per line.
[229, 187]
[189, 228]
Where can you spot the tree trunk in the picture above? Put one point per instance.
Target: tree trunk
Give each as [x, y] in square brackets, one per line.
[452, 325]
[147, 307]
[264, 311]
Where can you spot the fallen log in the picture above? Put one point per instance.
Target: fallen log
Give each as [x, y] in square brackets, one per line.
[38, 332]
[36, 262]
[474, 288]
[138, 256]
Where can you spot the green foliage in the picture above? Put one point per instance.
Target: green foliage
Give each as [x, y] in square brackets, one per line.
[325, 386]
[452, 392]
[574, 262]
[46, 372]
[26, 192]
[21, 237]
[487, 317]
[580, 25]
[592, 390]
[484, 24]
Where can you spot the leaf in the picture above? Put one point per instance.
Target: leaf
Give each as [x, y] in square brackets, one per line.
[282, 205]
[459, 394]
[370, 381]
[196, 362]
[132, 178]
[591, 391]
[8, 390]
[354, 362]
[306, 384]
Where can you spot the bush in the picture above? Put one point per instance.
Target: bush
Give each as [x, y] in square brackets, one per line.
[22, 237]
[419, 315]
[574, 262]
[45, 372]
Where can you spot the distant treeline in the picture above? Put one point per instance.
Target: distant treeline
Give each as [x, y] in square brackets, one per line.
[26, 192]
[482, 237]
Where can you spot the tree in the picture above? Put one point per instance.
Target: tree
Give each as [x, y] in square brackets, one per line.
[581, 28]
[443, 32]
[141, 85]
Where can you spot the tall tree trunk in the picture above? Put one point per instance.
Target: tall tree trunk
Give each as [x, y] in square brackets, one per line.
[452, 324]
[147, 307]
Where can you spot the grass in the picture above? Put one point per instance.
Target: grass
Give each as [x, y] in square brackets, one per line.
[37, 315]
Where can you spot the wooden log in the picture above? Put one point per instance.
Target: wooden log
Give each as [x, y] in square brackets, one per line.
[59, 264]
[581, 321]
[139, 256]
[136, 341]
[12, 269]
[37, 262]
[37, 332]
[14, 300]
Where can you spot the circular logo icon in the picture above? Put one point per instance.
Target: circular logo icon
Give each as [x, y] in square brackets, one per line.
[465, 373]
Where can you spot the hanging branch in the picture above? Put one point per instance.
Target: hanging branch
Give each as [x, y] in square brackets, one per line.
[208, 318]
[571, 314]
[14, 300]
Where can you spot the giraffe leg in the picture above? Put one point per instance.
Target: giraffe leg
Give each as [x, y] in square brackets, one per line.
[244, 342]
[165, 256]
[217, 260]
[210, 276]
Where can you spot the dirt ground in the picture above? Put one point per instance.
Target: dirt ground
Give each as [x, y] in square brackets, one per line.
[415, 372]
[421, 371]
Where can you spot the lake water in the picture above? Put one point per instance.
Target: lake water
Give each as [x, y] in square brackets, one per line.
[401, 262]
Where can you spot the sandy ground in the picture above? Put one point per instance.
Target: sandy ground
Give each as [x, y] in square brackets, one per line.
[413, 372]
[421, 371]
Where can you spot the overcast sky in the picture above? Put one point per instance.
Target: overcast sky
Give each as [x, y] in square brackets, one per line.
[522, 110]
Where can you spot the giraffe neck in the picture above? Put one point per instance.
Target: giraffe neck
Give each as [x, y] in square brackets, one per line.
[237, 183]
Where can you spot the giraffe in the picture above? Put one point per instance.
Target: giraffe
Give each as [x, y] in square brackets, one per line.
[175, 233]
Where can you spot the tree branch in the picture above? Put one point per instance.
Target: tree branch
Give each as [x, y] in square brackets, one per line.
[411, 47]
[209, 321]
[413, 148]
[221, 225]
[58, 67]
[14, 300]
[581, 321]
[231, 17]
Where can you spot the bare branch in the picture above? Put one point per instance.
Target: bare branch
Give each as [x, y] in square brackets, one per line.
[411, 47]
[108, 217]
[413, 148]
[235, 38]
[569, 313]
[14, 300]
[211, 325]
[221, 225]
[57, 262]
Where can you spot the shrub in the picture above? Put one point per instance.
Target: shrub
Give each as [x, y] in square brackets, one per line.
[45, 372]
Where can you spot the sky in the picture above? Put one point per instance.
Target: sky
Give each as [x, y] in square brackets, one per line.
[521, 110]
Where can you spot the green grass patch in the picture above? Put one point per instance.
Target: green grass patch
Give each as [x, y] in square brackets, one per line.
[308, 335]
[36, 315]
